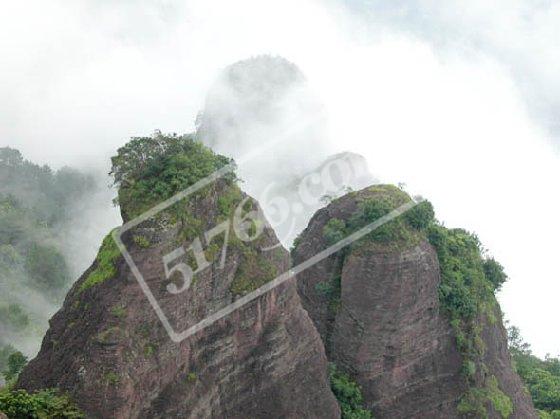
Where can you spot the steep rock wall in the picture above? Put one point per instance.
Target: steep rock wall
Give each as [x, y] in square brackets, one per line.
[107, 348]
[386, 328]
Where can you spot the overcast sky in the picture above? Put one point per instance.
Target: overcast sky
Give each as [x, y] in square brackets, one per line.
[459, 100]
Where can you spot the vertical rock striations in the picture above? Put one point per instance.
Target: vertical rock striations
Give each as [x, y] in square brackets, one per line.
[107, 348]
[378, 307]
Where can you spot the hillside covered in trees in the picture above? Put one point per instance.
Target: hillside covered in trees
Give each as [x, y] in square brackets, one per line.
[541, 376]
[35, 204]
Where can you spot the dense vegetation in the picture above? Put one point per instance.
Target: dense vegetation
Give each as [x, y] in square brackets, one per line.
[149, 170]
[35, 202]
[541, 377]
[48, 195]
[466, 294]
[40, 405]
[349, 395]
[48, 403]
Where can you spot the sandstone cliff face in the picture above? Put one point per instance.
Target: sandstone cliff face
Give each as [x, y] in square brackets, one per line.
[107, 348]
[386, 328]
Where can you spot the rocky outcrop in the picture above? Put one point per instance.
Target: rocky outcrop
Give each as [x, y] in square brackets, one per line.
[373, 309]
[107, 348]
[385, 326]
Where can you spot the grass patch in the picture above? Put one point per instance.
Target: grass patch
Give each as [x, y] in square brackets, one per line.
[401, 232]
[149, 349]
[105, 269]
[110, 335]
[253, 272]
[141, 241]
[111, 378]
[474, 402]
[118, 311]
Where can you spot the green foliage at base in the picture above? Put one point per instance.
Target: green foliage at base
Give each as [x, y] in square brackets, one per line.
[118, 311]
[37, 205]
[106, 259]
[349, 395]
[541, 376]
[41, 405]
[475, 400]
[149, 349]
[500, 401]
[5, 352]
[543, 414]
[16, 362]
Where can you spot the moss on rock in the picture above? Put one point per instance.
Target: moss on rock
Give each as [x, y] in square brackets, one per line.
[105, 267]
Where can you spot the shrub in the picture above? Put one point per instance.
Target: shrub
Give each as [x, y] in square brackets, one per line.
[43, 404]
[141, 241]
[5, 352]
[421, 216]
[494, 273]
[349, 395]
[16, 362]
[334, 231]
[149, 170]
[402, 230]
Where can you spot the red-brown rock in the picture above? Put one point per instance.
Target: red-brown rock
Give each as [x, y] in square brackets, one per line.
[107, 348]
[387, 330]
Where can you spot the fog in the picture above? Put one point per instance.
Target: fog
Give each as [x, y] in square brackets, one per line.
[458, 106]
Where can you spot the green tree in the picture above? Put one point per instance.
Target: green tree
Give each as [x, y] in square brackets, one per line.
[541, 377]
[148, 170]
[5, 352]
[16, 362]
[47, 267]
[494, 273]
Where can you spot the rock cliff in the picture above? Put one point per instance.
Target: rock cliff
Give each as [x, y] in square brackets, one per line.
[407, 312]
[107, 348]
[377, 307]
